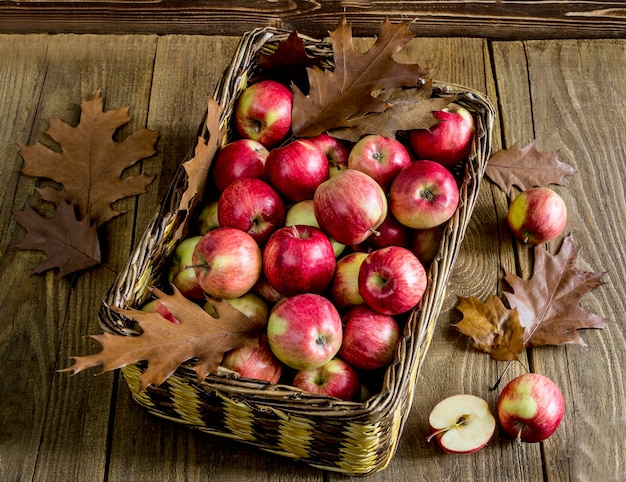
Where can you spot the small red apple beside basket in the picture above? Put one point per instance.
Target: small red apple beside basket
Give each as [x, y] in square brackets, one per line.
[355, 438]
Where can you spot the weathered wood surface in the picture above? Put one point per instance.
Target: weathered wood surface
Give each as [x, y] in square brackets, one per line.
[568, 94]
[504, 19]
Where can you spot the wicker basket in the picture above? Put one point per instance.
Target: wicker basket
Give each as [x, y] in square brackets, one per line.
[348, 437]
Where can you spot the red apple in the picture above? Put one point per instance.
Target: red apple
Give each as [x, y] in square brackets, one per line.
[305, 331]
[263, 112]
[299, 259]
[257, 363]
[335, 378]
[350, 206]
[227, 262]
[369, 338]
[239, 159]
[423, 195]
[390, 233]
[207, 219]
[450, 141]
[392, 280]
[344, 288]
[537, 215]
[253, 206]
[303, 212]
[379, 157]
[296, 169]
[530, 408]
[461, 424]
[266, 291]
[425, 243]
[336, 151]
[155, 306]
[180, 274]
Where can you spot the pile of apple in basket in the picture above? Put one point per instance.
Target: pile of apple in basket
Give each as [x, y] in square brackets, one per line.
[324, 242]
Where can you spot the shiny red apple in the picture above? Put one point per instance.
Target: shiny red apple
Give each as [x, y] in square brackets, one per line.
[537, 215]
[379, 157]
[253, 206]
[296, 169]
[335, 378]
[239, 159]
[423, 195]
[450, 141]
[350, 206]
[263, 112]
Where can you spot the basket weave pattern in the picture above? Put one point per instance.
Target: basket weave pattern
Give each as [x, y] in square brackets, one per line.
[348, 437]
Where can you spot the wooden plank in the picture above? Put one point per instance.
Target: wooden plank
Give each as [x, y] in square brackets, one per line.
[52, 316]
[26, 354]
[577, 93]
[487, 19]
[186, 70]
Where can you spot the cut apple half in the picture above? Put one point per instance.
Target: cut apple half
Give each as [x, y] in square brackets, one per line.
[462, 424]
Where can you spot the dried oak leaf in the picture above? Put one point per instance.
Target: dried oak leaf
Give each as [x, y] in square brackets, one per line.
[345, 92]
[288, 62]
[408, 109]
[199, 339]
[494, 328]
[549, 302]
[526, 168]
[70, 244]
[90, 163]
[197, 168]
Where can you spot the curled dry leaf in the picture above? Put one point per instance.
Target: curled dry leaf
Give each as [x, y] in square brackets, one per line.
[197, 168]
[345, 92]
[525, 168]
[166, 346]
[494, 328]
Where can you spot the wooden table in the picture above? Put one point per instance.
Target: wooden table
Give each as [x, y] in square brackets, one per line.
[568, 94]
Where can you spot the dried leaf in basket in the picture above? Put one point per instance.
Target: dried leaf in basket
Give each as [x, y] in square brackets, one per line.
[549, 302]
[90, 162]
[408, 109]
[345, 92]
[525, 168]
[165, 345]
[198, 166]
[289, 62]
[70, 244]
[545, 310]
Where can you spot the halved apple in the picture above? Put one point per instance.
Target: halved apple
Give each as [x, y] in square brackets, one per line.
[461, 424]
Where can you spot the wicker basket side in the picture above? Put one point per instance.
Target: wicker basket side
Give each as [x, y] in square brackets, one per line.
[348, 437]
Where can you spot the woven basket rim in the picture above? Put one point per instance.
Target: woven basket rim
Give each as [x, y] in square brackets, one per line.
[392, 403]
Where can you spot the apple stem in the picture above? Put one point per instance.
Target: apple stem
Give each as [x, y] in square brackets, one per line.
[374, 232]
[508, 365]
[518, 439]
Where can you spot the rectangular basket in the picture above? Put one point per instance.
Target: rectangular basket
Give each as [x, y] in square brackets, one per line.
[347, 437]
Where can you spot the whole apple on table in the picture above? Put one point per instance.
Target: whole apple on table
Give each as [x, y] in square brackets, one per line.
[323, 241]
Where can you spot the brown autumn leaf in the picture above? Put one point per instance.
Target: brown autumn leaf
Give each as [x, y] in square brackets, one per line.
[198, 339]
[494, 328]
[545, 310]
[408, 109]
[197, 168]
[525, 168]
[90, 162]
[70, 244]
[345, 92]
[549, 302]
[289, 62]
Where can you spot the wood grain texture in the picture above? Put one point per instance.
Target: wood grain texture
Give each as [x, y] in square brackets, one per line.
[486, 19]
[576, 95]
[567, 94]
